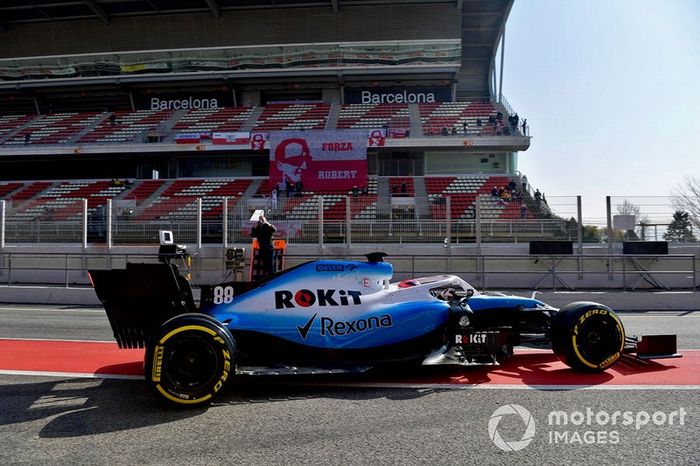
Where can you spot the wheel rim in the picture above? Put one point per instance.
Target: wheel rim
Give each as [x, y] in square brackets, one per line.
[191, 364]
[598, 339]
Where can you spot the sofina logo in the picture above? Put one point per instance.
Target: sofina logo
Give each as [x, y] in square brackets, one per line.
[510, 410]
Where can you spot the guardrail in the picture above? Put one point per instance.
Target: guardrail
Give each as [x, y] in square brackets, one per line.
[484, 271]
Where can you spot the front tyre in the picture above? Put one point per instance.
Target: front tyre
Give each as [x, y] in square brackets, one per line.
[587, 336]
[190, 359]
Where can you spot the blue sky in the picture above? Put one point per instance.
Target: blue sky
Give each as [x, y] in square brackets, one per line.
[611, 90]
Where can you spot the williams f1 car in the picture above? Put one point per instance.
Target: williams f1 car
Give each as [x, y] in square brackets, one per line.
[330, 316]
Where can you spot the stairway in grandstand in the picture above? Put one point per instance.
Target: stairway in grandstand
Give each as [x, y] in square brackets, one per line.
[10, 125]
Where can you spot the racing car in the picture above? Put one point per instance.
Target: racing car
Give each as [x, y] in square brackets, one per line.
[328, 316]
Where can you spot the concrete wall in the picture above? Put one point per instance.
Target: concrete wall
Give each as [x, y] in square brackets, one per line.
[502, 267]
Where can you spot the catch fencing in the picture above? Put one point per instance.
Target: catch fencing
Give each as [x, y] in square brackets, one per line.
[337, 219]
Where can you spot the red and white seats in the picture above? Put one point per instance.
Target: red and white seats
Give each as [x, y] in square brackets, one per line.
[213, 119]
[436, 116]
[126, 126]
[57, 128]
[293, 117]
[374, 116]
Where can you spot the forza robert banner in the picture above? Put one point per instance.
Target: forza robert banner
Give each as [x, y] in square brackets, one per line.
[320, 160]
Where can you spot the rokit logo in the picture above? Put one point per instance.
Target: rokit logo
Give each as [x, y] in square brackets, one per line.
[305, 298]
[473, 338]
[341, 328]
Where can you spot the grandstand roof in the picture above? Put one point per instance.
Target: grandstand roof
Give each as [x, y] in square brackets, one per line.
[19, 11]
[482, 23]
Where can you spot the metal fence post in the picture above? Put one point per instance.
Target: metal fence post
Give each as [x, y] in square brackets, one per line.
[85, 223]
[348, 239]
[478, 224]
[224, 222]
[608, 213]
[2, 225]
[109, 223]
[199, 223]
[448, 226]
[320, 221]
[580, 236]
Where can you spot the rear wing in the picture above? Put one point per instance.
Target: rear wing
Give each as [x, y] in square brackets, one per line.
[140, 298]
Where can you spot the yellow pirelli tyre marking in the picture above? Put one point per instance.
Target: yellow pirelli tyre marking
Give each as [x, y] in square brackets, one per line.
[612, 358]
[180, 400]
[185, 328]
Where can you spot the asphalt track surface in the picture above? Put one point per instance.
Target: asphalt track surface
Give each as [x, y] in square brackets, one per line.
[417, 419]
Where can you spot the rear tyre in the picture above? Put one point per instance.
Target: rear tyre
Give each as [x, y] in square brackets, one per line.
[587, 336]
[190, 360]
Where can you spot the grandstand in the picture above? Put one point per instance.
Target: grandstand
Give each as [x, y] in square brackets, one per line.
[96, 100]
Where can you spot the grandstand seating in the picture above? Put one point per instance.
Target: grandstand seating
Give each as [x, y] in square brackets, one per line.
[126, 126]
[152, 200]
[132, 126]
[29, 190]
[374, 116]
[63, 200]
[396, 185]
[178, 199]
[213, 119]
[144, 189]
[293, 117]
[463, 191]
[9, 123]
[56, 128]
[305, 207]
[7, 188]
[449, 115]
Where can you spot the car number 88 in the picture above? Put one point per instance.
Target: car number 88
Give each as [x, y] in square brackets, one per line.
[223, 294]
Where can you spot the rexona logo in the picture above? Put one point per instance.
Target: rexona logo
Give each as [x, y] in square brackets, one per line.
[340, 328]
[305, 298]
[346, 327]
[399, 97]
[177, 104]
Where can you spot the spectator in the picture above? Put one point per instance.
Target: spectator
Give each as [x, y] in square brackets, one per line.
[113, 119]
[288, 184]
[263, 231]
[523, 211]
[464, 127]
[538, 199]
[298, 188]
[444, 131]
[494, 191]
[511, 185]
[27, 138]
[281, 187]
[454, 131]
[524, 126]
[273, 196]
[492, 119]
[478, 122]
[403, 187]
[524, 179]
[516, 118]
[499, 116]
[355, 191]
